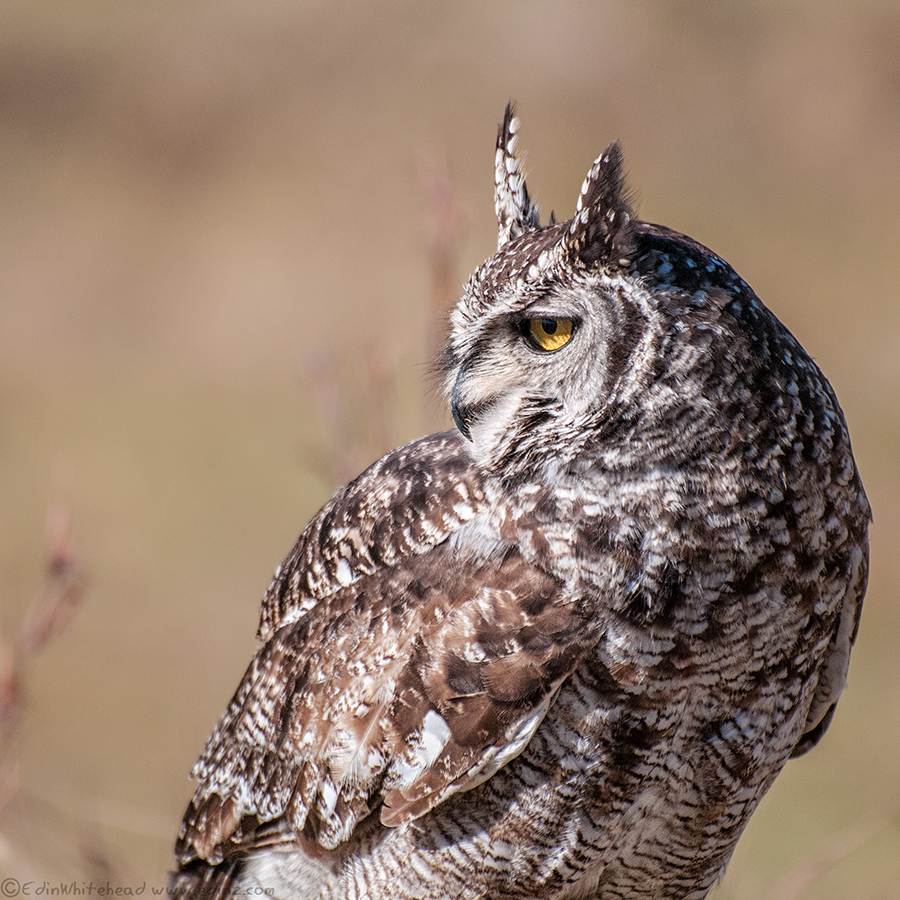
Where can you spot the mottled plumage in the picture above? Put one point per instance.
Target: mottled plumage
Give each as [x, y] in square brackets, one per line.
[563, 651]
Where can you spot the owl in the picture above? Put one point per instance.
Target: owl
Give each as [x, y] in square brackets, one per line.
[563, 650]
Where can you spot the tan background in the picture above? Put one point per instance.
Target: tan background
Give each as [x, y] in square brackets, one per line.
[215, 269]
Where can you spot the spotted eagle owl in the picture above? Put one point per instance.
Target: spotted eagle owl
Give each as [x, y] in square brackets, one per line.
[563, 650]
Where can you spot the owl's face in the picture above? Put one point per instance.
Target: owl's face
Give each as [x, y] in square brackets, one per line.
[536, 346]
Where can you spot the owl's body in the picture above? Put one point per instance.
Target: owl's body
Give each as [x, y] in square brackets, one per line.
[563, 651]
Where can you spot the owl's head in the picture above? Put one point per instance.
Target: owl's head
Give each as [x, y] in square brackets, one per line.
[602, 329]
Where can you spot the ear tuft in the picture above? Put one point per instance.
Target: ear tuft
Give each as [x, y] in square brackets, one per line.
[516, 213]
[601, 231]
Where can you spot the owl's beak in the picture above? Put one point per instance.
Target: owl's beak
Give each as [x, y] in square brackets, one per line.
[462, 415]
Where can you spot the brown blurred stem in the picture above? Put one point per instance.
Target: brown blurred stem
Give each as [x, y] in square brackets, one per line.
[48, 615]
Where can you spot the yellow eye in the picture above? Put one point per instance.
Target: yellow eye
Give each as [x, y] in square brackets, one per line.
[550, 334]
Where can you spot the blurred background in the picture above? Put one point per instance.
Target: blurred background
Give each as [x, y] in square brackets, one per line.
[226, 228]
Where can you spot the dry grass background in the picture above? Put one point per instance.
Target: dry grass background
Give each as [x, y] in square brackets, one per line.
[216, 258]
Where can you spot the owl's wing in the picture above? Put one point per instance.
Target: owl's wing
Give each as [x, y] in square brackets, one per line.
[403, 505]
[410, 682]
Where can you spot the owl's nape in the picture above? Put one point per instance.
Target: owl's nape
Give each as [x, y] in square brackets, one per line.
[563, 650]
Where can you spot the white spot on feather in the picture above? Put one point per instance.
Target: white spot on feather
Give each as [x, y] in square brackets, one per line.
[329, 799]
[473, 653]
[424, 749]
[343, 573]
[435, 734]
